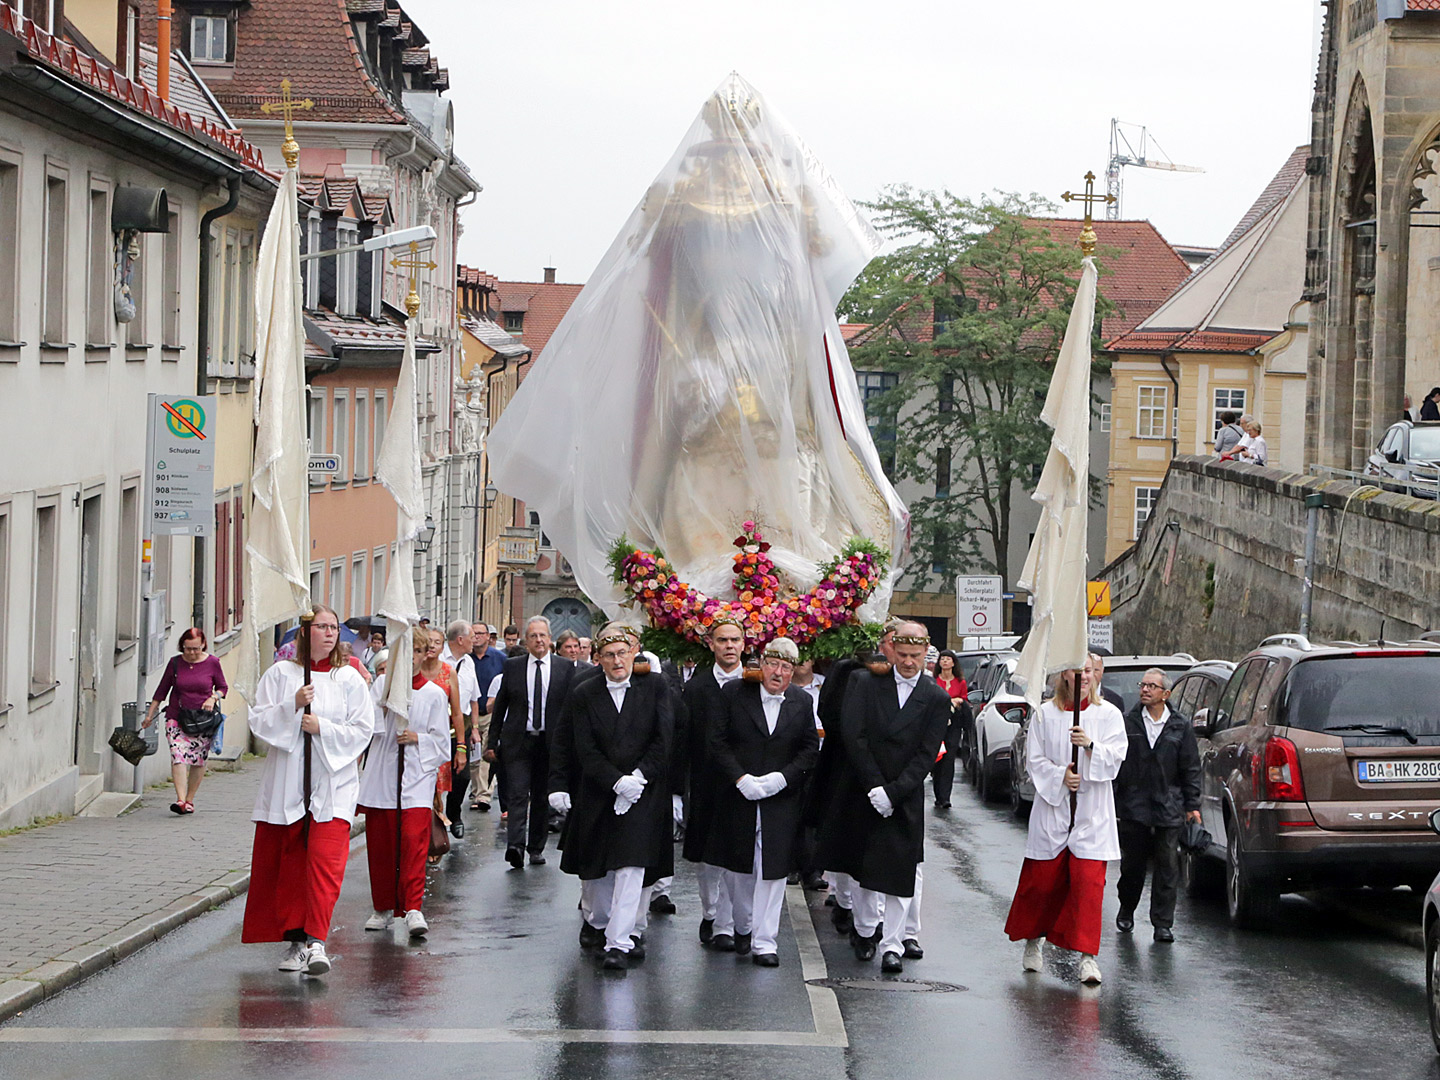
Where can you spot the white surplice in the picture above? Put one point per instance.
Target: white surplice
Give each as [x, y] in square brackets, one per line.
[347, 720]
[1047, 756]
[430, 719]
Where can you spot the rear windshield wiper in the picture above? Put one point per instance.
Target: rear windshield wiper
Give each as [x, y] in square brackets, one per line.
[1375, 729]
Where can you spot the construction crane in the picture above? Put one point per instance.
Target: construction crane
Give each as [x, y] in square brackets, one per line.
[1129, 148]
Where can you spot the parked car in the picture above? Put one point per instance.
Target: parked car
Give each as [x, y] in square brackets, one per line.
[988, 762]
[1408, 458]
[1430, 922]
[1122, 675]
[1197, 689]
[1320, 765]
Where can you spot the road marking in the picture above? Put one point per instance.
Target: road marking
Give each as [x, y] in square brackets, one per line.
[824, 1010]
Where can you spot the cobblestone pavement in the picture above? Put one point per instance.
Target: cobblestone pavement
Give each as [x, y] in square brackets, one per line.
[81, 893]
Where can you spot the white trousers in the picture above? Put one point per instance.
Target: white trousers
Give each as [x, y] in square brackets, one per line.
[871, 907]
[714, 896]
[912, 914]
[620, 892]
[595, 902]
[755, 903]
[842, 887]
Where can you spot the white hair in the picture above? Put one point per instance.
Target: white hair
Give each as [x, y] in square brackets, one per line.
[534, 619]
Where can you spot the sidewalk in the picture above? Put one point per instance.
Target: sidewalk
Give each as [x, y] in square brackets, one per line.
[84, 893]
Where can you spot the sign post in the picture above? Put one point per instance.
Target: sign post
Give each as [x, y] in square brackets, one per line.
[180, 466]
[979, 604]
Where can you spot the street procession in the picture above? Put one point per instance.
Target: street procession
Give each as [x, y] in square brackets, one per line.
[917, 595]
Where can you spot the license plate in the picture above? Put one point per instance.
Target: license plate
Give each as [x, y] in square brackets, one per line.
[1412, 770]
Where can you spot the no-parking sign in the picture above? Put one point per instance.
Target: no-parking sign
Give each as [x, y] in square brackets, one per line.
[979, 604]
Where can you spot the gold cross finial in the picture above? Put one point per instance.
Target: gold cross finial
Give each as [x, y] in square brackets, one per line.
[288, 106]
[413, 263]
[1088, 239]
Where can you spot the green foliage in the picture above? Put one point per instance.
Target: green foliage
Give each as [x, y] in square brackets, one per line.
[842, 641]
[621, 550]
[668, 645]
[974, 298]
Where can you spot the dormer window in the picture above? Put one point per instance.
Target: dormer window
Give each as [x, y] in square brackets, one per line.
[209, 39]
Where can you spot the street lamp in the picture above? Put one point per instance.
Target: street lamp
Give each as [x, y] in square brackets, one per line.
[426, 535]
[491, 494]
[420, 234]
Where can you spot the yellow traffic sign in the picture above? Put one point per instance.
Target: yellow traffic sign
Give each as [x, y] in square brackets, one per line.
[1097, 599]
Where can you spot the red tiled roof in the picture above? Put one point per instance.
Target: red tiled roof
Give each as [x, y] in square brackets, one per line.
[851, 330]
[544, 306]
[468, 275]
[1209, 341]
[1424, 5]
[376, 207]
[63, 57]
[359, 332]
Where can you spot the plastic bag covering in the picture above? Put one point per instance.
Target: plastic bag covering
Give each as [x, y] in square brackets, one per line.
[700, 379]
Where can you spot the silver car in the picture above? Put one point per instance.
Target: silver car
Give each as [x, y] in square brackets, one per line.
[1408, 459]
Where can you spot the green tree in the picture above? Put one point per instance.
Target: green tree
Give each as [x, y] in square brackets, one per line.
[969, 308]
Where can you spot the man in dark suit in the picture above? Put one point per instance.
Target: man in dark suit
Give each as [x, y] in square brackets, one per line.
[533, 688]
[893, 724]
[764, 747]
[1157, 791]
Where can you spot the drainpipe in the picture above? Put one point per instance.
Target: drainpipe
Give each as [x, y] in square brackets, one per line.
[162, 49]
[202, 366]
[1170, 420]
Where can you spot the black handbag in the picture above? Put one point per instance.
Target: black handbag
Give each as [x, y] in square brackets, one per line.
[1195, 838]
[128, 744]
[199, 722]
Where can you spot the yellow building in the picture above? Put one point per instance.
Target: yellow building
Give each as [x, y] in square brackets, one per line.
[1232, 338]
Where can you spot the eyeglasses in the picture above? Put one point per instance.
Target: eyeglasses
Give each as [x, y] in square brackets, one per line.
[325, 626]
[1152, 686]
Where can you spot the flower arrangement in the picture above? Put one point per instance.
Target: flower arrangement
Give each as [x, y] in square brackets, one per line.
[822, 621]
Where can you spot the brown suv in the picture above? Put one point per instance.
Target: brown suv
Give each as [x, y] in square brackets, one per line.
[1320, 766]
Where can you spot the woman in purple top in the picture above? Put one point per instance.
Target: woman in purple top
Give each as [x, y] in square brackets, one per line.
[192, 680]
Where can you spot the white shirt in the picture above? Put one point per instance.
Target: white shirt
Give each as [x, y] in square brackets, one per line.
[771, 704]
[530, 662]
[430, 719]
[1047, 756]
[904, 688]
[494, 687]
[723, 677]
[812, 690]
[1257, 451]
[343, 707]
[1154, 727]
[469, 685]
[686, 671]
[617, 692]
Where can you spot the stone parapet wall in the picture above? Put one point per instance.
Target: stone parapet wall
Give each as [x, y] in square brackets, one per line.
[1220, 562]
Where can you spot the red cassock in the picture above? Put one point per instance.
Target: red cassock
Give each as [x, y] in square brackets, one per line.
[1059, 899]
[380, 850]
[294, 882]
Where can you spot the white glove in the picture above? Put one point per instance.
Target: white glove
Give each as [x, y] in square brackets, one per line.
[622, 804]
[560, 802]
[771, 783]
[750, 787]
[881, 802]
[629, 789]
[677, 809]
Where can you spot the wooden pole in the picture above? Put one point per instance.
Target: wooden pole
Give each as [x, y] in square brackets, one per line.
[399, 812]
[305, 621]
[1075, 750]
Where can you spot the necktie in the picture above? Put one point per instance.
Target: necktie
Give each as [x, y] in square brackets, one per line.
[537, 718]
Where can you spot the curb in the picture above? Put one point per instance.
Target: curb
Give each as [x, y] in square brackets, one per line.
[82, 961]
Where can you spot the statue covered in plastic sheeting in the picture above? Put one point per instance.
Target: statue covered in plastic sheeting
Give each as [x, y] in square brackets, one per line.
[700, 380]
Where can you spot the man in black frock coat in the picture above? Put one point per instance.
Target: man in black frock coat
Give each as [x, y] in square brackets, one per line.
[764, 748]
[621, 727]
[893, 724]
[531, 697]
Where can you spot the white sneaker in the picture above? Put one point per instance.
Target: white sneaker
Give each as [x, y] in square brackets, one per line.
[294, 959]
[416, 924]
[379, 921]
[1033, 960]
[316, 962]
[1089, 971]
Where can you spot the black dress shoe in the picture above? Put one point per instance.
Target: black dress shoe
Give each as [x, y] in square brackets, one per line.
[1125, 921]
[844, 920]
[590, 937]
[890, 963]
[913, 951]
[722, 943]
[942, 806]
[615, 960]
[765, 959]
[515, 857]
[661, 904]
[707, 931]
[830, 901]
[742, 944]
[457, 829]
[483, 807]
[1164, 934]
[864, 946]
[537, 860]
[816, 882]
[637, 949]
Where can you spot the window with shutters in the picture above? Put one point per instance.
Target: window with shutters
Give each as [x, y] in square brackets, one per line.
[222, 567]
[237, 558]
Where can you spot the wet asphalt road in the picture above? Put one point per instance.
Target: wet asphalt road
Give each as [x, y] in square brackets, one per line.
[501, 989]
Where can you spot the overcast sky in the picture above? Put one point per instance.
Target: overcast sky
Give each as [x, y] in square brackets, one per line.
[567, 109]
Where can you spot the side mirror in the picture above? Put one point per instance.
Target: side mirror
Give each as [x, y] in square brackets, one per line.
[1435, 820]
[978, 697]
[1392, 456]
[1201, 722]
[1015, 716]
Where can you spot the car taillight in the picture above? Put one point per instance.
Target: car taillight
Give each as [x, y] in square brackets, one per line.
[1393, 652]
[1282, 772]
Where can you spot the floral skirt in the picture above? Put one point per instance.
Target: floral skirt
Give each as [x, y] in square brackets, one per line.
[186, 749]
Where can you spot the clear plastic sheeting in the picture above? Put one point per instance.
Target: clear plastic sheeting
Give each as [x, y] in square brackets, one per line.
[700, 379]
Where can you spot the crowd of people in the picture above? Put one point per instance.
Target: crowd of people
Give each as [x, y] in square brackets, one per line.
[769, 770]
